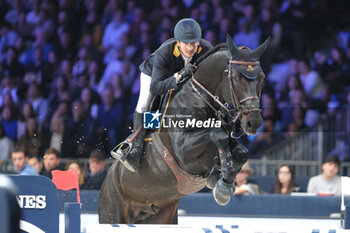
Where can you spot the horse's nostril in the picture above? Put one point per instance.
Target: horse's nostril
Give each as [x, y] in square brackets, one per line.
[249, 124]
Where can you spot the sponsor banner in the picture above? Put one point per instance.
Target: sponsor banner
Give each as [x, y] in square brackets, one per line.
[39, 202]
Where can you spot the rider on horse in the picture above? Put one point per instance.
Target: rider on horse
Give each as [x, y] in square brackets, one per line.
[163, 70]
[160, 72]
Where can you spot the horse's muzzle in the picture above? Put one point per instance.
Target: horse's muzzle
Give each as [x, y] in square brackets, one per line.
[251, 122]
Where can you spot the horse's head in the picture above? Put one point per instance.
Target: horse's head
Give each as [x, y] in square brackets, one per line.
[243, 82]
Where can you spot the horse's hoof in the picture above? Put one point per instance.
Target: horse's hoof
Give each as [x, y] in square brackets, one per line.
[212, 179]
[222, 192]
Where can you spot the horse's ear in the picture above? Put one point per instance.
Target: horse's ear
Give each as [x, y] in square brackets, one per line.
[260, 50]
[231, 46]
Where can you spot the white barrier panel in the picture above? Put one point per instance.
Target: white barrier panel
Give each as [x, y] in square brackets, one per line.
[124, 228]
[203, 224]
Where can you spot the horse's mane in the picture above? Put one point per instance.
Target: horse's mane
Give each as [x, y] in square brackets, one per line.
[216, 48]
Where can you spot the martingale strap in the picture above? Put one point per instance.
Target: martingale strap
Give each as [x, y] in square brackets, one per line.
[186, 183]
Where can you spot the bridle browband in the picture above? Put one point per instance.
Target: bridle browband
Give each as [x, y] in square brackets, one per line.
[236, 103]
[245, 63]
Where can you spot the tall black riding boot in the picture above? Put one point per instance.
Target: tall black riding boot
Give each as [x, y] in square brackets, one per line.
[133, 158]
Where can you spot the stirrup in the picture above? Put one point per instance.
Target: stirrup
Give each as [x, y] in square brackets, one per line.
[121, 151]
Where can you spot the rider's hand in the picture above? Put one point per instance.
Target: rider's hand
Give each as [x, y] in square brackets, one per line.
[187, 70]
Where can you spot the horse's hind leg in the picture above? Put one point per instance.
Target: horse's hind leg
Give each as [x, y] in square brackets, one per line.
[166, 214]
[110, 205]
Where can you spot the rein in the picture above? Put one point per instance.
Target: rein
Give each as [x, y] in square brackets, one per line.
[224, 107]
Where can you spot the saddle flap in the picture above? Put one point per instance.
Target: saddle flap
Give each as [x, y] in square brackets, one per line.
[186, 183]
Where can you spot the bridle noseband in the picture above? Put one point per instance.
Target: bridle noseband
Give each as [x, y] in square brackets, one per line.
[220, 113]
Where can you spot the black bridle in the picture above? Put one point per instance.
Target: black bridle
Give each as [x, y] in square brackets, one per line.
[223, 110]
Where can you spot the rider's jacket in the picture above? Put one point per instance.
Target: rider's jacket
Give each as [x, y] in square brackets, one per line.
[165, 62]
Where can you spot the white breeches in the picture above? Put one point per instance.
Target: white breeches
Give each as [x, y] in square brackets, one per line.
[145, 96]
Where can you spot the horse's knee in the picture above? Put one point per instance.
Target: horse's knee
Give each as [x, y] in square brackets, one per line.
[240, 155]
[217, 135]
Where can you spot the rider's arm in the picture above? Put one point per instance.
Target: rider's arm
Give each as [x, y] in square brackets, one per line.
[162, 79]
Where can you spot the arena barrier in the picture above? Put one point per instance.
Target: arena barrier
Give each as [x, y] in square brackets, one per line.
[39, 203]
[267, 205]
[40, 206]
[131, 228]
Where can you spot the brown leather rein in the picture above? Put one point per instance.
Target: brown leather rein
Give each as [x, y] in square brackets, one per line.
[236, 103]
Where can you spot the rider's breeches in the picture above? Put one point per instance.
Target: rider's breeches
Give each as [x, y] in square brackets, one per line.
[145, 96]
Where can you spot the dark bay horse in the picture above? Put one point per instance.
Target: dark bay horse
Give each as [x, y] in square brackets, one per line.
[178, 162]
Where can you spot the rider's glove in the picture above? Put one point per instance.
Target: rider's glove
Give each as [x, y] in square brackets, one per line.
[186, 71]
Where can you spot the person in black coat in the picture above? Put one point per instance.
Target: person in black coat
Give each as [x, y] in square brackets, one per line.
[98, 171]
[163, 70]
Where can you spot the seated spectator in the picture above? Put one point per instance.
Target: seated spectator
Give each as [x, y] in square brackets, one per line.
[98, 171]
[32, 139]
[55, 137]
[311, 80]
[243, 185]
[328, 182]
[35, 162]
[74, 164]
[80, 131]
[110, 119]
[285, 183]
[20, 162]
[52, 159]
[6, 145]
[9, 121]
[39, 103]
[26, 112]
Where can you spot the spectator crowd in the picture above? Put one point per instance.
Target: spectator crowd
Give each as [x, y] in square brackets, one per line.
[69, 78]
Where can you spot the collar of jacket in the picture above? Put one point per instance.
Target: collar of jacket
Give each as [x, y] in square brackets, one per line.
[177, 53]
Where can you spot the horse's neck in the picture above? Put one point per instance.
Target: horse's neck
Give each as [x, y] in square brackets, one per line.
[210, 71]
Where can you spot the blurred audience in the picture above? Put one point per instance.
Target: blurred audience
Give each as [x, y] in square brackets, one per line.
[98, 171]
[327, 183]
[74, 164]
[52, 159]
[20, 162]
[285, 183]
[35, 162]
[243, 184]
[6, 145]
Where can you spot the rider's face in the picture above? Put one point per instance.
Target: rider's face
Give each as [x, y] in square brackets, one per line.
[188, 49]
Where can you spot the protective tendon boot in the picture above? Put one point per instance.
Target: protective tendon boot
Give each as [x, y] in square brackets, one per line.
[132, 161]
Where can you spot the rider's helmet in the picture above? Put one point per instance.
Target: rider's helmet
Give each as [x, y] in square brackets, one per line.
[187, 30]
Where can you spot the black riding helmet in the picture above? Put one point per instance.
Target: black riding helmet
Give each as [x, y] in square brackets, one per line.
[187, 30]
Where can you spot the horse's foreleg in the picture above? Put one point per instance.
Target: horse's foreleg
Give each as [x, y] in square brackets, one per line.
[239, 154]
[221, 140]
[224, 188]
